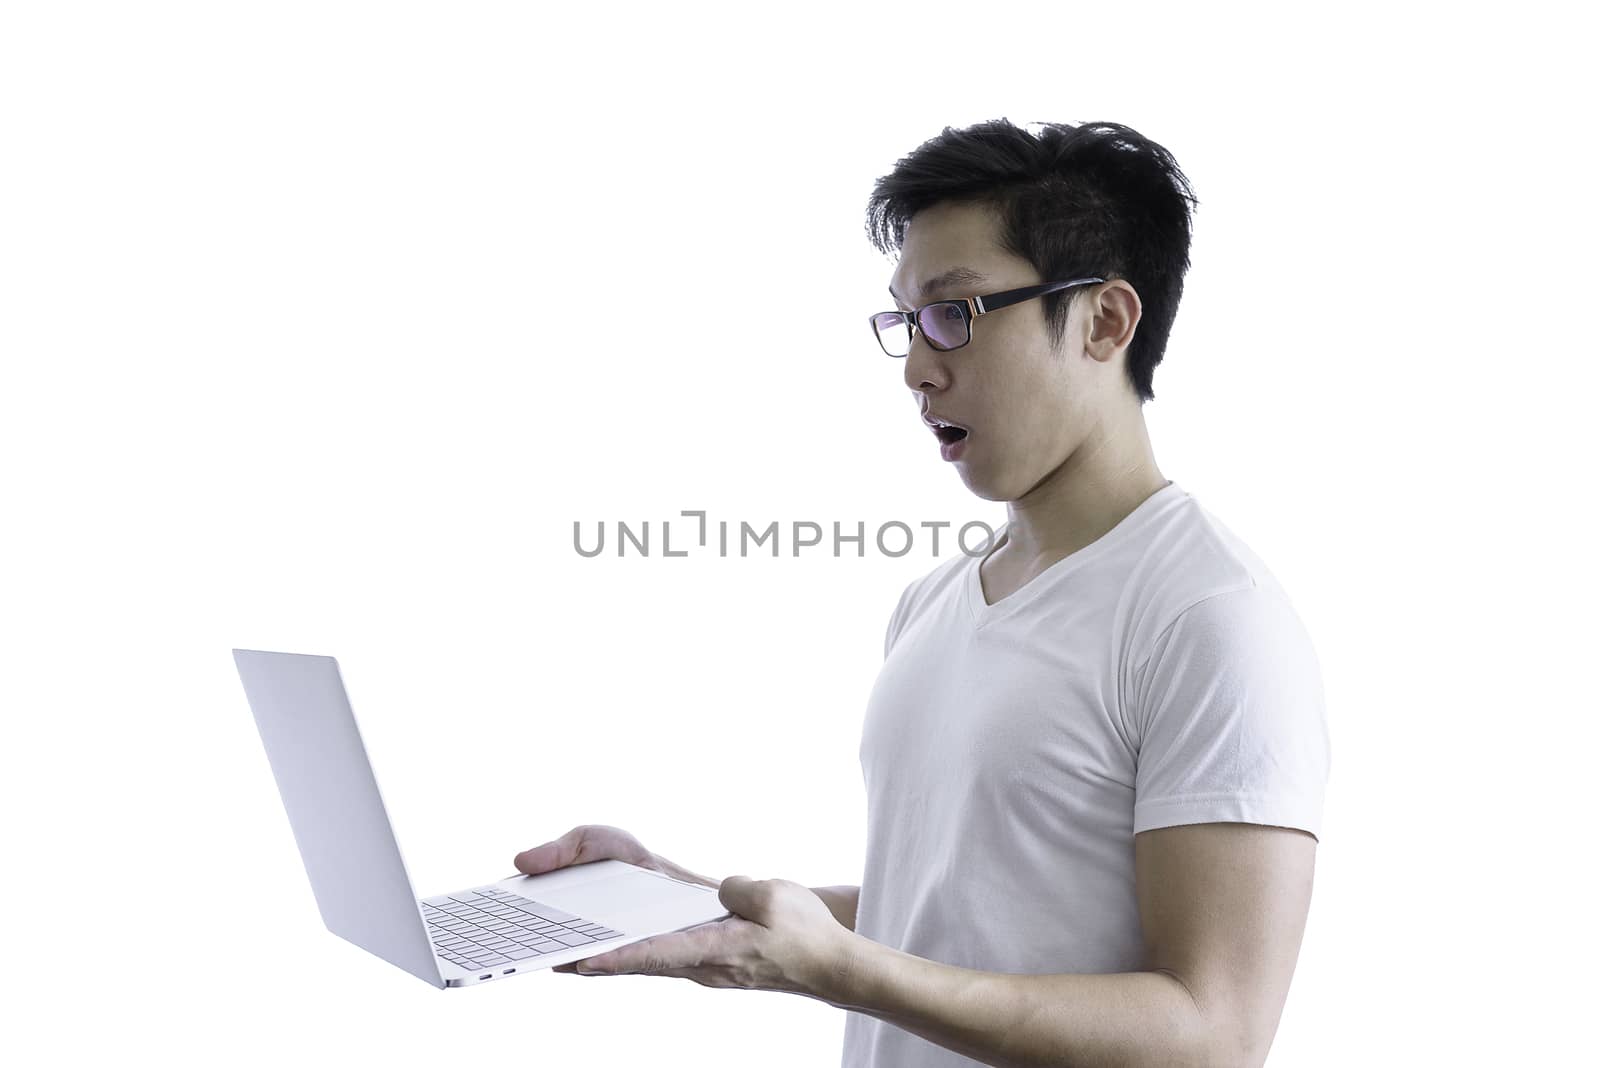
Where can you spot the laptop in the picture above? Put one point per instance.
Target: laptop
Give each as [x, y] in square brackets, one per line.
[493, 930]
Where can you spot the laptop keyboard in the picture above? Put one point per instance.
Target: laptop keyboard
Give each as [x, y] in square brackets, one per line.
[476, 928]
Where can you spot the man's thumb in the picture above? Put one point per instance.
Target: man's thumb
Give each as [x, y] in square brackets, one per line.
[536, 860]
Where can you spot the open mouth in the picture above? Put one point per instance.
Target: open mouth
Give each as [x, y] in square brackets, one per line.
[949, 435]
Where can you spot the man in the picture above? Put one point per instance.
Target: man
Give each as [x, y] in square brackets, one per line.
[1095, 757]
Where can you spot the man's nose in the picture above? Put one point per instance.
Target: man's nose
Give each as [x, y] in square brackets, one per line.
[924, 369]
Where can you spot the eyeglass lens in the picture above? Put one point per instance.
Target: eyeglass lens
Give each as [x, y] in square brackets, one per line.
[942, 324]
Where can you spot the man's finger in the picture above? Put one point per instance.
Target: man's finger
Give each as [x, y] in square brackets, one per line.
[626, 959]
[653, 955]
[561, 853]
[738, 896]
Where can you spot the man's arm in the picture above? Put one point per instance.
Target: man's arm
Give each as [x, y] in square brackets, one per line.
[1222, 907]
[841, 901]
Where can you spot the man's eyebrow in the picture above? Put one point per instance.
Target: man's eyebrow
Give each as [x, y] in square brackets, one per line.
[955, 275]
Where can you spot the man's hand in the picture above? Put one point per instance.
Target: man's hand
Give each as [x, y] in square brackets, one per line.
[780, 937]
[596, 841]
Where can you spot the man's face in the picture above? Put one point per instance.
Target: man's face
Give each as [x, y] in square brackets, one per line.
[1026, 406]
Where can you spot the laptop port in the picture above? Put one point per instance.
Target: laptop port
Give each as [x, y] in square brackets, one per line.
[508, 971]
[489, 976]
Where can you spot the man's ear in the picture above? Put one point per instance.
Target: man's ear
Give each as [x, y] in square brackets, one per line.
[1111, 311]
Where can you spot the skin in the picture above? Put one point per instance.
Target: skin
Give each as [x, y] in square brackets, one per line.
[1058, 434]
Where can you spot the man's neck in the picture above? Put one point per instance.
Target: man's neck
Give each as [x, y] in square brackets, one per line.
[1105, 478]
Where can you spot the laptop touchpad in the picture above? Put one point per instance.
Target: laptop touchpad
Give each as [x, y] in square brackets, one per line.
[625, 892]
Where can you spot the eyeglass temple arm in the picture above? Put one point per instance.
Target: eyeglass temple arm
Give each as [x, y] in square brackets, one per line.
[1017, 296]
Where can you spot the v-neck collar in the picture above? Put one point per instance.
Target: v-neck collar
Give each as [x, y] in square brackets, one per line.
[984, 613]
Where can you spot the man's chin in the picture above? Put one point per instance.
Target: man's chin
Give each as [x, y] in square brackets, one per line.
[980, 485]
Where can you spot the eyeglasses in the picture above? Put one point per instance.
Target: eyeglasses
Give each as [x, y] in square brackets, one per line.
[947, 324]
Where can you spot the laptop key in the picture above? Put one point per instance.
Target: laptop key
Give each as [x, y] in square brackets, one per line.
[527, 908]
[572, 938]
[537, 909]
[521, 954]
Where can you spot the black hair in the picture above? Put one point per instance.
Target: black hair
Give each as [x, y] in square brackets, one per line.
[1096, 199]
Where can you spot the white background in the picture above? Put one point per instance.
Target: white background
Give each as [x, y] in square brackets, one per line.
[324, 322]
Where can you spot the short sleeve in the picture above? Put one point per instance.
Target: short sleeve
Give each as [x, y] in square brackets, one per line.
[1228, 707]
[893, 629]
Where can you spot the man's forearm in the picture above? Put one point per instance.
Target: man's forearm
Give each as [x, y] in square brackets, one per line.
[841, 901]
[1023, 1021]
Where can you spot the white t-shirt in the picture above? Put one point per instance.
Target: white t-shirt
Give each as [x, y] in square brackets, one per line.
[1157, 676]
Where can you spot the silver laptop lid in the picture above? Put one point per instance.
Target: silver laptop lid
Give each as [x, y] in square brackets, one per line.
[335, 810]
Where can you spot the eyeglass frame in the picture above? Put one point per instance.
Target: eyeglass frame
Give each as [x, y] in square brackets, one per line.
[971, 308]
